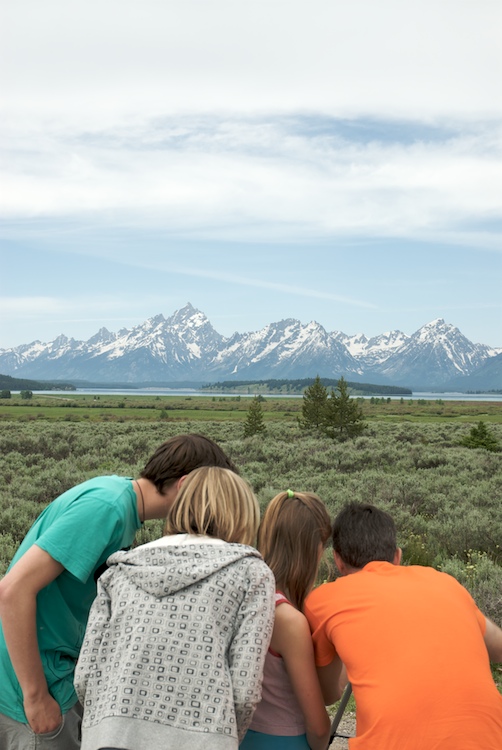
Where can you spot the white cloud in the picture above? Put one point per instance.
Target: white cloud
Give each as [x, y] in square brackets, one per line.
[252, 179]
[93, 63]
[76, 307]
[227, 119]
[248, 281]
[28, 305]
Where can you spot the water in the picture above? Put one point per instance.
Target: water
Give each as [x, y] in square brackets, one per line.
[426, 396]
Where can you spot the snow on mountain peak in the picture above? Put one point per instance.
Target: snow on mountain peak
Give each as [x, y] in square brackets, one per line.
[187, 346]
[436, 330]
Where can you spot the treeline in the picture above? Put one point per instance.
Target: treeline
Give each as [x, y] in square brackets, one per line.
[8, 383]
[488, 390]
[298, 386]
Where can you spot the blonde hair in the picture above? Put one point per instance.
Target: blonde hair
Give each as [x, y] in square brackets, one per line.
[216, 502]
[293, 527]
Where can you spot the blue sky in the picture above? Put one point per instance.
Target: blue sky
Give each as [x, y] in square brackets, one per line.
[329, 161]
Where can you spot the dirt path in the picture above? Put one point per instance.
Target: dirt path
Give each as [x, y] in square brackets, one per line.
[346, 726]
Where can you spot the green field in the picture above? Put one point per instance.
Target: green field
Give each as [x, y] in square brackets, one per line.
[74, 407]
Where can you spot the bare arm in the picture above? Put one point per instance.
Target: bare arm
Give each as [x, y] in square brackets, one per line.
[332, 679]
[18, 607]
[99, 618]
[251, 636]
[292, 640]
[493, 641]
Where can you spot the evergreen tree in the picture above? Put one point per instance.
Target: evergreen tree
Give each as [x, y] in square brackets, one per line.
[254, 421]
[315, 399]
[344, 416]
[481, 437]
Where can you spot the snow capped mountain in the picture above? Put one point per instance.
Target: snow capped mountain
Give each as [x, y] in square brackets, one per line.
[103, 336]
[435, 353]
[373, 351]
[287, 349]
[487, 376]
[355, 344]
[187, 347]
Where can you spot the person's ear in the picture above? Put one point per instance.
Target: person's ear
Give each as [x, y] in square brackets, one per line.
[180, 481]
[398, 555]
[169, 495]
[342, 568]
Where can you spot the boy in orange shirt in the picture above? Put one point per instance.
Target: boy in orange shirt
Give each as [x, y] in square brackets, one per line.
[416, 648]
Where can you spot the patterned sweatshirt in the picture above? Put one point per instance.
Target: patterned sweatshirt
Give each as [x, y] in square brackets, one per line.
[175, 645]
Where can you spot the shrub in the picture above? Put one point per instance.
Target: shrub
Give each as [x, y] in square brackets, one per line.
[254, 421]
[444, 498]
[481, 437]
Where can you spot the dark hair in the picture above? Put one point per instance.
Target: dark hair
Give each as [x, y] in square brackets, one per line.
[180, 455]
[288, 539]
[363, 533]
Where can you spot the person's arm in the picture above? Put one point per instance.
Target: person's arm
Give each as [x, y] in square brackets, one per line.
[246, 655]
[333, 679]
[292, 640]
[99, 617]
[493, 641]
[18, 612]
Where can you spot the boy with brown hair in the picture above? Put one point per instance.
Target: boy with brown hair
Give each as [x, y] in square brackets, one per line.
[50, 585]
[416, 648]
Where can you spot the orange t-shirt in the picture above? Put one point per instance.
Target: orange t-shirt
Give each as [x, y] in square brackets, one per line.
[411, 639]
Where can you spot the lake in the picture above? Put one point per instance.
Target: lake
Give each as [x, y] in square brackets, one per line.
[427, 396]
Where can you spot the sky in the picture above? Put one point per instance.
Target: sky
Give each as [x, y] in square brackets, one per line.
[261, 159]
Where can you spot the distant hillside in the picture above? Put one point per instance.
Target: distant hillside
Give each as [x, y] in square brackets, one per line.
[486, 377]
[7, 383]
[298, 386]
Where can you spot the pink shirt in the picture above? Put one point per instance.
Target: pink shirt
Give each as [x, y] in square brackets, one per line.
[278, 712]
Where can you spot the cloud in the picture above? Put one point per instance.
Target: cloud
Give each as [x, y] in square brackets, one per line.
[261, 179]
[98, 62]
[253, 121]
[27, 306]
[77, 307]
[249, 281]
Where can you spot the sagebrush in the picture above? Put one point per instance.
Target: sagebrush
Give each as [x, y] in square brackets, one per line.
[445, 498]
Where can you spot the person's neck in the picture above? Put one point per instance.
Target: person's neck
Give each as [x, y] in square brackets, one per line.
[152, 503]
[140, 499]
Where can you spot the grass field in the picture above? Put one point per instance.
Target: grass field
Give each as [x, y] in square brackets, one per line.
[203, 408]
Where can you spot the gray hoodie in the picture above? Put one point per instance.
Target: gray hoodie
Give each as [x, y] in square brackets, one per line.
[175, 645]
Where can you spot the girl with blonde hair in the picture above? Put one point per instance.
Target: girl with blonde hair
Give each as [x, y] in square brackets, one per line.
[291, 714]
[175, 646]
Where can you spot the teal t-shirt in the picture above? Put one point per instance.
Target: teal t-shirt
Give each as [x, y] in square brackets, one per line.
[80, 529]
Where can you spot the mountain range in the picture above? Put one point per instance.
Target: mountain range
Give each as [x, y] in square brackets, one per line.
[186, 347]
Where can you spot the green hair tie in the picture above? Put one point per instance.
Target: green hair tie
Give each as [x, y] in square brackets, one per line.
[290, 493]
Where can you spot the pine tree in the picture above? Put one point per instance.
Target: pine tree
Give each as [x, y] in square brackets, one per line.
[481, 437]
[254, 421]
[344, 416]
[315, 399]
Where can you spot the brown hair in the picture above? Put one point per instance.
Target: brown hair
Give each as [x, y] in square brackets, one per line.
[363, 533]
[180, 455]
[289, 536]
[216, 502]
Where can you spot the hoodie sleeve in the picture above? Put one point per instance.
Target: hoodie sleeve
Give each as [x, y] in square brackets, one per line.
[250, 643]
[92, 646]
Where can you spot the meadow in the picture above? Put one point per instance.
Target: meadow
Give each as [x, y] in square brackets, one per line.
[110, 407]
[445, 498]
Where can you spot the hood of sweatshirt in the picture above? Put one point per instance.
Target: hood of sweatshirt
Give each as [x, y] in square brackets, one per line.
[165, 569]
